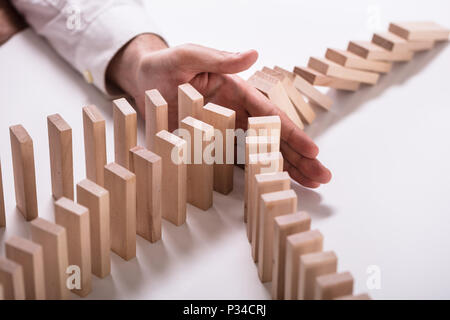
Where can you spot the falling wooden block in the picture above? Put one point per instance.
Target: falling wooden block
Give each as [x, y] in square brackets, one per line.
[2, 201]
[353, 61]
[361, 296]
[420, 31]
[11, 279]
[371, 51]
[53, 239]
[264, 183]
[272, 205]
[332, 69]
[392, 42]
[121, 184]
[200, 169]
[285, 226]
[190, 102]
[31, 257]
[94, 144]
[296, 245]
[313, 265]
[125, 131]
[156, 116]
[334, 285]
[223, 121]
[318, 79]
[24, 172]
[147, 168]
[75, 219]
[273, 89]
[61, 156]
[96, 199]
[312, 93]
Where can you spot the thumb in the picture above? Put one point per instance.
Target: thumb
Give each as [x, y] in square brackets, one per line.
[202, 59]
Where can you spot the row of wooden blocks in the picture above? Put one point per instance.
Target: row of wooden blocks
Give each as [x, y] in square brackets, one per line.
[361, 63]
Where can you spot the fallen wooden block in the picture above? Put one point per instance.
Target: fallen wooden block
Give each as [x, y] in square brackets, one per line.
[121, 184]
[172, 150]
[272, 205]
[61, 156]
[351, 60]
[420, 31]
[147, 168]
[392, 42]
[334, 285]
[332, 69]
[96, 199]
[125, 131]
[224, 122]
[75, 219]
[312, 93]
[2, 201]
[94, 144]
[319, 79]
[371, 51]
[156, 116]
[313, 265]
[361, 296]
[31, 257]
[297, 245]
[11, 278]
[190, 103]
[285, 226]
[53, 239]
[24, 172]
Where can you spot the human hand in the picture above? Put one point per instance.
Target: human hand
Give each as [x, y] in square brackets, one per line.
[10, 21]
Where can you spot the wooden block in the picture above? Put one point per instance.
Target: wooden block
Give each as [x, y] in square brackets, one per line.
[121, 184]
[156, 116]
[11, 279]
[24, 172]
[264, 126]
[420, 31]
[371, 51]
[313, 265]
[351, 60]
[319, 79]
[200, 171]
[224, 122]
[61, 156]
[2, 201]
[334, 285]
[96, 199]
[125, 131]
[332, 69]
[312, 93]
[190, 102]
[296, 245]
[259, 163]
[53, 239]
[148, 169]
[75, 219]
[94, 144]
[2, 295]
[172, 150]
[272, 205]
[392, 42]
[31, 257]
[275, 92]
[264, 183]
[361, 296]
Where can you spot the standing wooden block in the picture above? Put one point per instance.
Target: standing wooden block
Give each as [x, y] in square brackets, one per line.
[53, 239]
[392, 42]
[264, 126]
[61, 157]
[172, 150]
[125, 131]
[31, 257]
[319, 79]
[264, 183]
[361, 296]
[313, 265]
[420, 31]
[75, 219]
[297, 245]
[96, 199]
[353, 61]
[2, 201]
[11, 278]
[371, 51]
[334, 285]
[94, 144]
[312, 93]
[121, 185]
[223, 121]
[272, 205]
[190, 102]
[148, 169]
[24, 172]
[156, 116]
[2, 295]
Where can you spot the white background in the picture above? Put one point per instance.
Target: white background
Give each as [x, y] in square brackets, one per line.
[387, 146]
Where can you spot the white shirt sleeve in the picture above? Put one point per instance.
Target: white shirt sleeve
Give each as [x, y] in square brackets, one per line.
[87, 33]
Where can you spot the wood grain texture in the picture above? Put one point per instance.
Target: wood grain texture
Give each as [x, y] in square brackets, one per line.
[392, 42]
[319, 79]
[11, 279]
[334, 285]
[312, 93]
[125, 131]
[420, 30]
[190, 103]
[156, 116]
[351, 60]
[371, 51]
[2, 201]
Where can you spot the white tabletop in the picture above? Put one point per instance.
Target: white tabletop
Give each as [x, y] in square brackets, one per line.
[387, 146]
